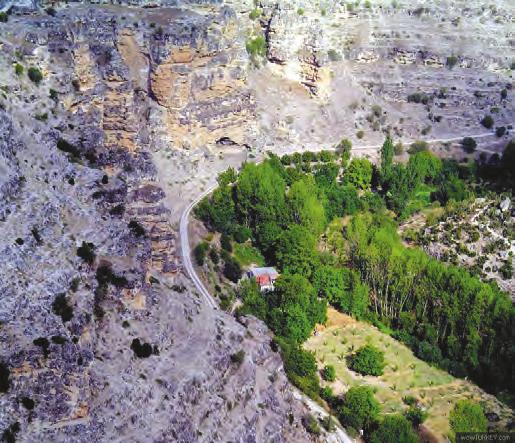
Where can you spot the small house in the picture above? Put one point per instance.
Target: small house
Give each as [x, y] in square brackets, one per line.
[265, 277]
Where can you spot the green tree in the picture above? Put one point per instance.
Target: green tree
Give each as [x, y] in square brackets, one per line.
[253, 301]
[227, 177]
[467, 416]
[387, 153]
[232, 269]
[394, 429]
[260, 195]
[487, 121]
[360, 409]
[295, 251]
[424, 166]
[305, 205]
[359, 173]
[368, 360]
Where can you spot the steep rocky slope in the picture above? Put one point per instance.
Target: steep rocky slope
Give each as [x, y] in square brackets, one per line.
[77, 178]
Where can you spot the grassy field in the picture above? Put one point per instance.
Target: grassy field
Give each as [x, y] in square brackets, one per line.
[436, 390]
[247, 255]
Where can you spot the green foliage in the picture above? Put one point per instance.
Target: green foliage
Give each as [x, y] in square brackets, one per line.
[200, 252]
[67, 147]
[18, 69]
[424, 166]
[416, 416]
[394, 429]
[4, 17]
[5, 373]
[35, 75]
[136, 228]
[418, 146]
[255, 13]
[451, 61]
[467, 416]
[141, 350]
[238, 357]
[61, 307]
[246, 255]
[359, 173]
[487, 122]
[360, 409]
[87, 252]
[295, 308]
[329, 373]
[305, 206]
[311, 425]
[368, 360]
[232, 269]
[254, 302]
[387, 153]
[418, 97]
[469, 144]
[256, 47]
[227, 177]
[295, 251]
[242, 233]
[225, 242]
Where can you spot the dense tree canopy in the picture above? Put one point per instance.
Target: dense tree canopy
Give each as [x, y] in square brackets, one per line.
[360, 409]
[394, 429]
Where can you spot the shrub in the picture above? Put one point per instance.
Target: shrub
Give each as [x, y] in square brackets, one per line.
[418, 146]
[394, 429]
[500, 131]
[67, 147]
[3, 17]
[467, 416]
[360, 409]
[141, 350]
[329, 373]
[4, 377]
[487, 121]
[300, 11]
[200, 252]
[416, 416]
[136, 228]
[35, 75]
[18, 69]
[51, 11]
[44, 344]
[232, 269]
[469, 144]
[360, 134]
[368, 360]
[256, 47]
[255, 13]
[225, 242]
[27, 403]
[418, 97]
[53, 94]
[87, 252]
[238, 357]
[242, 234]
[311, 425]
[504, 94]
[451, 61]
[61, 308]
[105, 276]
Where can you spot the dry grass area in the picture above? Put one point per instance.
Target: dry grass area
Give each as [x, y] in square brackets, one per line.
[436, 390]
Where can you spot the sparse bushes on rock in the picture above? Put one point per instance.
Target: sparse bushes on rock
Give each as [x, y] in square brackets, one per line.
[418, 97]
[61, 308]
[142, 350]
[451, 61]
[256, 47]
[500, 131]
[35, 75]
[136, 228]
[238, 357]
[4, 377]
[469, 144]
[87, 252]
[311, 425]
[487, 121]
[18, 69]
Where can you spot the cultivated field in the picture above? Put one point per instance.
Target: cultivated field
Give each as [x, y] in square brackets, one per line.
[404, 375]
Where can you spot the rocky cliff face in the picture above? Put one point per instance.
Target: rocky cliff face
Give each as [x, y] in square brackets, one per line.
[103, 338]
